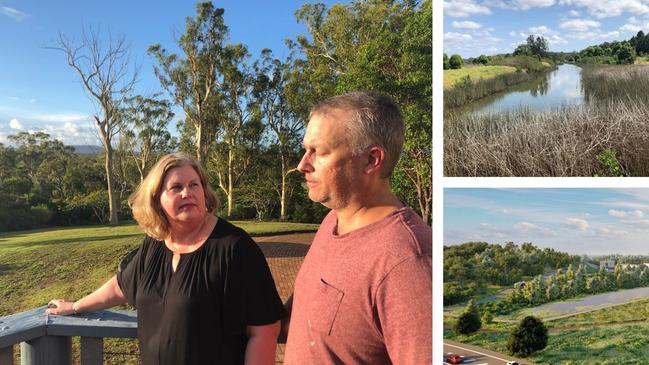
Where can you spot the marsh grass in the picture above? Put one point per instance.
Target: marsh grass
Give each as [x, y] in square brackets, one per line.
[562, 142]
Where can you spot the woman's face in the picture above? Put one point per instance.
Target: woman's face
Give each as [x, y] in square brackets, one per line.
[182, 198]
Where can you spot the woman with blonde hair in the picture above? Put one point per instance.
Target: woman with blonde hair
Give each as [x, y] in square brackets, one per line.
[202, 287]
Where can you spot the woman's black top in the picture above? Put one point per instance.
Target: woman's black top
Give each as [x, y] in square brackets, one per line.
[199, 314]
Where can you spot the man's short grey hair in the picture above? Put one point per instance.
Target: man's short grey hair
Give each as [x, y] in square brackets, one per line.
[376, 121]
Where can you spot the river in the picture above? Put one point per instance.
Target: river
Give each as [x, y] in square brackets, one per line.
[560, 87]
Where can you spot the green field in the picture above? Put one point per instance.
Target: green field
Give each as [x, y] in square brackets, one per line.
[451, 77]
[614, 335]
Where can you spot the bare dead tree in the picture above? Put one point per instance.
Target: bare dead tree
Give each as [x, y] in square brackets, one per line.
[103, 67]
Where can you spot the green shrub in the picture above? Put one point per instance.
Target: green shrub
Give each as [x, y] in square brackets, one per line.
[609, 164]
[467, 322]
[455, 62]
[529, 336]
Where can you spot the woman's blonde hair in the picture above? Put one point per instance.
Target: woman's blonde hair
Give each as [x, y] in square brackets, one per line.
[145, 201]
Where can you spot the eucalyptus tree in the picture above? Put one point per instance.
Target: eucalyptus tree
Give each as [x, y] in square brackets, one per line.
[103, 67]
[237, 109]
[147, 134]
[272, 78]
[382, 46]
[193, 80]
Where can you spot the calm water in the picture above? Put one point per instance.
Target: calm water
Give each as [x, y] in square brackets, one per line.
[561, 87]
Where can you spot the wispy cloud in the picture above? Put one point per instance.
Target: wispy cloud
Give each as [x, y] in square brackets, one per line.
[609, 8]
[12, 13]
[63, 118]
[464, 8]
[467, 24]
[578, 223]
[580, 25]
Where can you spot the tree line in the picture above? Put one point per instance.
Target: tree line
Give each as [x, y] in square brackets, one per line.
[470, 267]
[244, 116]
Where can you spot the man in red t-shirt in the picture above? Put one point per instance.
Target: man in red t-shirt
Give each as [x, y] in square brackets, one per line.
[363, 293]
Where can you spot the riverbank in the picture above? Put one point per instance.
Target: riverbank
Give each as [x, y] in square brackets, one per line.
[472, 83]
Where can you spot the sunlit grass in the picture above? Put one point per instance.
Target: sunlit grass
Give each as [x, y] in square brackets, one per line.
[451, 77]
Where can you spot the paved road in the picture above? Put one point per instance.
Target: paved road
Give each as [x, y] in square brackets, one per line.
[477, 356]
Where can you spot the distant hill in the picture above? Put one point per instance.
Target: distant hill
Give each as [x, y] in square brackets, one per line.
[88, 149]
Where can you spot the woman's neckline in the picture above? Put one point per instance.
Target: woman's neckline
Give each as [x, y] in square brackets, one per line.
[197, 248]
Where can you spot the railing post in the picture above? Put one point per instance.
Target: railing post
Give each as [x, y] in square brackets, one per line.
[92, 351]
[46, 350]
[7, 355]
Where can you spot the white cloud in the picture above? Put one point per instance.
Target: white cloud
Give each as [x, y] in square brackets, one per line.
[15, 124]
[451, 37]
[594, 36]
[466, 25]
[580, 25]
[556, 40]
[32, 101]
[527, 227]
[464, 8]
[542, 29]
[63, 118]
[574, 13]
[71, 128]
[528, 4]
[609, 8]
[578, 223]
[621, 214]
[13, 13]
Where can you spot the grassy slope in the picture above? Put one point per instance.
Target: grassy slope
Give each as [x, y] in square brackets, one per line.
[616, 335]
[475, 72]
[38, 265]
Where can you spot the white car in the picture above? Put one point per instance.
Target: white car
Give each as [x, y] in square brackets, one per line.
[513, 363]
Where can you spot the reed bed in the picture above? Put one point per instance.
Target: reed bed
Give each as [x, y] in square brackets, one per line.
[562, 142]
[630, 82]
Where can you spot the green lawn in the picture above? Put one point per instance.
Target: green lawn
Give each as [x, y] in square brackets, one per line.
[475, 72]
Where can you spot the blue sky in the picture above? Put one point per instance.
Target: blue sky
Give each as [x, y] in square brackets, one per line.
[578, 221]
[39, 91]
[474, 27]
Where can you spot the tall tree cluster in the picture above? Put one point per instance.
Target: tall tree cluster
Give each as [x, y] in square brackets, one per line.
[244, 115]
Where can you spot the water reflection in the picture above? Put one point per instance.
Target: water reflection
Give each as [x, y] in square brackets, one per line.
[561, 87]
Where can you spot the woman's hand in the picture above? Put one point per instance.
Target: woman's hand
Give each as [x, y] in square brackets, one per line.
[60, 307]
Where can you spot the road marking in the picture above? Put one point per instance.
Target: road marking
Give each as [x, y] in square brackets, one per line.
[477, 352]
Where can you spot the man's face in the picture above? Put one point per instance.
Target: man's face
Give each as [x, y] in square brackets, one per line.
[332, 173]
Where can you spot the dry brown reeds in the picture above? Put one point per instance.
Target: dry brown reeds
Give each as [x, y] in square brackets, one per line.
[563, 142]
